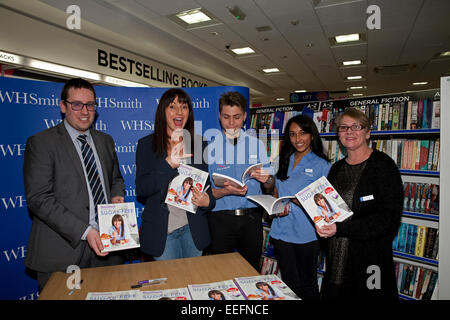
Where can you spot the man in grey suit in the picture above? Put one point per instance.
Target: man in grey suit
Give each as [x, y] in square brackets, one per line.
[65, 177]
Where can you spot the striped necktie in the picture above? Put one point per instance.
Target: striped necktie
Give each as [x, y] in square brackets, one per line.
[92, 173]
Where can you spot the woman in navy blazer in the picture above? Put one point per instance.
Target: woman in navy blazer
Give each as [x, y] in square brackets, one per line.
[168, 232]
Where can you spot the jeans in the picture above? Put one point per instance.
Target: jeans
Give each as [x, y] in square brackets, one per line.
[179, 244]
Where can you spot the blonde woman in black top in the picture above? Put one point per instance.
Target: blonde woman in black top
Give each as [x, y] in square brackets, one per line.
[359, 261]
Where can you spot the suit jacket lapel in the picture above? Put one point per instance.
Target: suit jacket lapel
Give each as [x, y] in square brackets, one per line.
[66, 144]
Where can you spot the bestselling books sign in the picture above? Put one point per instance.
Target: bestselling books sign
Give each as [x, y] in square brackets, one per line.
[28, 107]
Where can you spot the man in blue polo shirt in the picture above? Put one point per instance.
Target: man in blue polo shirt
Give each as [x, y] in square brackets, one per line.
[236, 222]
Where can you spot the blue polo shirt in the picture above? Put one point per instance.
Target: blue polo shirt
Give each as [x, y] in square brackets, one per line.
[297, 227]
[233, 160]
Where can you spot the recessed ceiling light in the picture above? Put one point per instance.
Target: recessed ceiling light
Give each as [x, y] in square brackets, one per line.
[347, 38]
[420, 83]
[245, 50]
[354, 77]
[193, 16]
[351, 62]
[445, 54]
[271, 70]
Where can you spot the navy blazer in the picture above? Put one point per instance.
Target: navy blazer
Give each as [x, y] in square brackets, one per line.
[153, 176]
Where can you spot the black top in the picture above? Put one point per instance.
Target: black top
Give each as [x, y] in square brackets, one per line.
[377, 205]
[153, 176]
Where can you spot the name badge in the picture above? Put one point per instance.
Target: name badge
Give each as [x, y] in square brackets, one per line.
[309, 170]
[366, 198]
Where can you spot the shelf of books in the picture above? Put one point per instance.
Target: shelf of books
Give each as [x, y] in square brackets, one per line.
[406, 126]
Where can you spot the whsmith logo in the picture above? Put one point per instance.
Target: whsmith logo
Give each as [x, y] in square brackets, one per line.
[32, 98]
[15, 254]
[13, 150]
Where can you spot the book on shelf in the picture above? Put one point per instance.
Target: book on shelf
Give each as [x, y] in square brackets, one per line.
[168, 294]
[118, 226]
[323, 203]
[421, 197]
[219, 179]
[416, 240]
[410, 154]
[180, 191]
[436, 115]
[265, 287]
[222, 290]
[271, 204]
[415, 282]
[269, 266]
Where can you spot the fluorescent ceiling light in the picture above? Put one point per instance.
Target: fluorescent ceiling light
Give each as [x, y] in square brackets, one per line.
[354, 78]
[245, 50]
[124, 83]
[356, 87]
[445, 54]
[279, 99]
[357, 94]
[351, 63]
[299, 91]
[419, 83]
[271, 70]
[63, 70]
[193, 16]
[347, 38]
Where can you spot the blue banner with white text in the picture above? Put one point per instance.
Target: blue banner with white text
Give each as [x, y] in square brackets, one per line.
[28, 107]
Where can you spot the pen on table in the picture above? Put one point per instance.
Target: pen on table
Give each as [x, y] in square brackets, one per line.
[76, 287]
[149, 282]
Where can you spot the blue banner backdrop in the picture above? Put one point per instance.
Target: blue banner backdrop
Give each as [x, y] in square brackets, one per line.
[28, 107]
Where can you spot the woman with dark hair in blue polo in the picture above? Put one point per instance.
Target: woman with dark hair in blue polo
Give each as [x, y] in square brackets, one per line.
[292, 234]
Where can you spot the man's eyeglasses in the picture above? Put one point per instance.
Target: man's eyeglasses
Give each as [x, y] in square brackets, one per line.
[78, 105]
[353, 127]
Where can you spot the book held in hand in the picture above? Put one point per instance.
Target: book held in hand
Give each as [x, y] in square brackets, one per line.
[118, 226]
[271, 204]
[219, 179]
[180, 191]
[323, 203]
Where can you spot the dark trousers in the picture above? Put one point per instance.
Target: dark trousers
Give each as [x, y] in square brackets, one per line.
[242, 233]
[298, 267]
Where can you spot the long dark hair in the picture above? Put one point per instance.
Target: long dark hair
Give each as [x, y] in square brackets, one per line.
[160, 136]
[308, 126]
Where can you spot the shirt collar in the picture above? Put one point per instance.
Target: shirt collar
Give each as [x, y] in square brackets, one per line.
[73, 132]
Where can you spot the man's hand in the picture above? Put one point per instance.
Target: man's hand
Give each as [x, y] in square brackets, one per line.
[93, 239]
[229, 188]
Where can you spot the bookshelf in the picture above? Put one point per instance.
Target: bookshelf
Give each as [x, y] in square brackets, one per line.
[394, 138]
[444, 221]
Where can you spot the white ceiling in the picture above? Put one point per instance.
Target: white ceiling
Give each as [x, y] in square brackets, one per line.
[412, 32]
